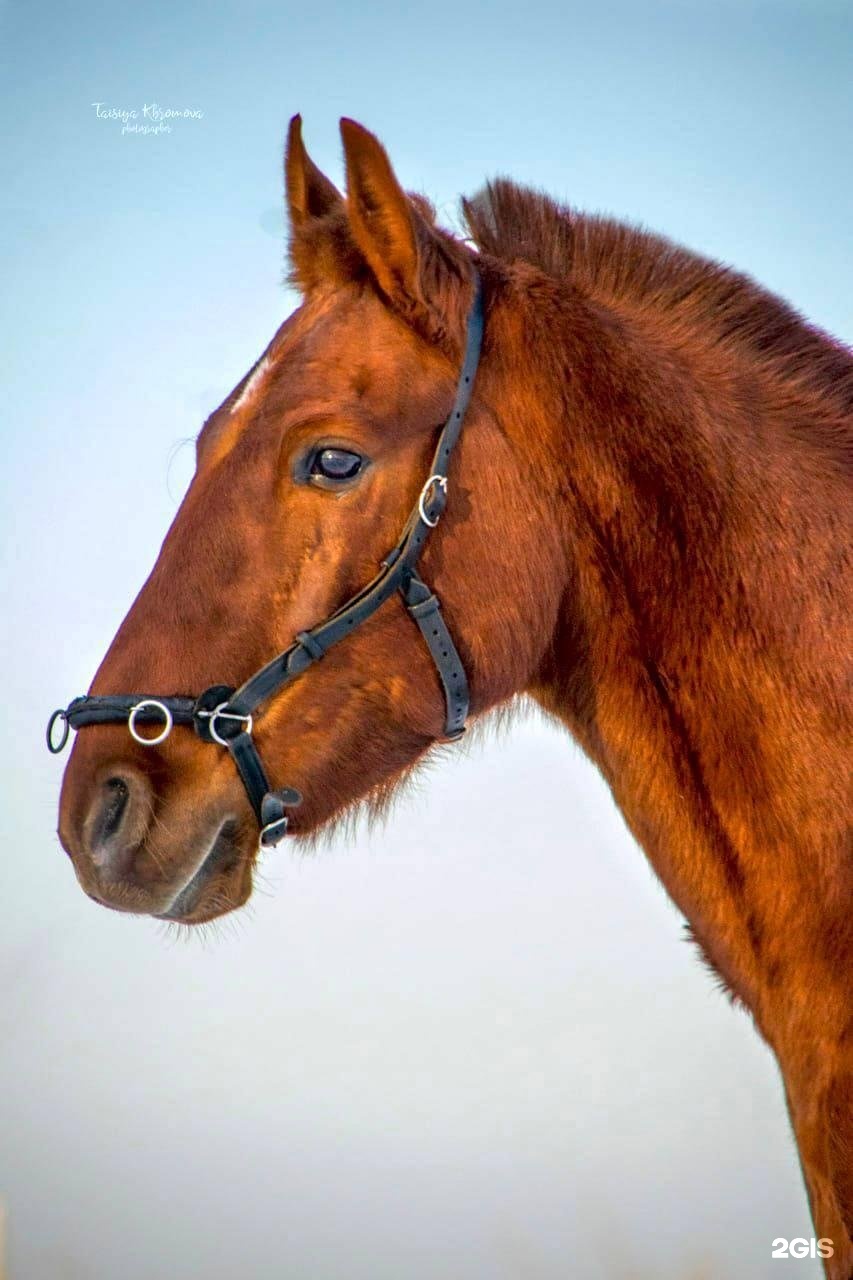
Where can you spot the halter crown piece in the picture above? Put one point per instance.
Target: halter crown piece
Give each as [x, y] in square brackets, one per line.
[225, 716]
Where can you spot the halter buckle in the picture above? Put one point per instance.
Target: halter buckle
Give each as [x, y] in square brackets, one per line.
[273, 815]
[164, 732]
[272, 833]
[219, 713]
[441, 481]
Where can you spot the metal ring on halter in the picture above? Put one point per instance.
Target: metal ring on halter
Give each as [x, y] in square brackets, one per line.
[441, 481]
[219, 713]
[56, 747]
[165, 731]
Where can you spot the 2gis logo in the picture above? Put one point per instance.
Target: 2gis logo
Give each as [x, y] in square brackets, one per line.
[800, 1248]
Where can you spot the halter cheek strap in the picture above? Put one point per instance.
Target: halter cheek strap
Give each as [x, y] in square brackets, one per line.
[225, 716]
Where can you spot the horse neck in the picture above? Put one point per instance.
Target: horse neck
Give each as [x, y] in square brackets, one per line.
[686, 649]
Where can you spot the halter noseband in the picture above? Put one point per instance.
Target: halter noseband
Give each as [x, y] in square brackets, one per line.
[224, 716]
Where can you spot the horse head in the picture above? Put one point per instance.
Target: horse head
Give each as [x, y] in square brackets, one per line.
[304, 477]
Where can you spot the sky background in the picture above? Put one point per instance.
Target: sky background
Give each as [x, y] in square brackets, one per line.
[460, 1047]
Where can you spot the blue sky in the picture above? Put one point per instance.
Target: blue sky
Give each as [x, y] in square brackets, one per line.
[403, 1063]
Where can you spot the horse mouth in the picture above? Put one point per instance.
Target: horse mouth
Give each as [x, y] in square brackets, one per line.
[198, 901]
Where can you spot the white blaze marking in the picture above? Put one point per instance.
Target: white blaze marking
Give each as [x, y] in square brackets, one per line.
[251, 387]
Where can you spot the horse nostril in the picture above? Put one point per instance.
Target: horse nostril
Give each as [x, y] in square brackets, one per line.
[113, 809]
[117, 822]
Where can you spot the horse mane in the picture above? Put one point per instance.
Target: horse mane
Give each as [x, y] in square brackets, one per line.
[643, 274]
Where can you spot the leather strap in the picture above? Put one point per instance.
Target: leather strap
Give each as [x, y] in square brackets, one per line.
[425, 608]
[117, 707]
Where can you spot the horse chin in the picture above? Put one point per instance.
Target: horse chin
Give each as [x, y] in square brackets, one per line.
[221, 883]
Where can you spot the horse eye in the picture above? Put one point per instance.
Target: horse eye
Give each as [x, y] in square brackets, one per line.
[336, 464]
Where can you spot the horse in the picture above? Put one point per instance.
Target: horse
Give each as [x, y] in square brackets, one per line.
[643, 530]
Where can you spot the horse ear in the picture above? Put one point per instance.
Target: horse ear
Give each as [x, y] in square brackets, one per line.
[309, 192]
[406, 256]
[320, 248]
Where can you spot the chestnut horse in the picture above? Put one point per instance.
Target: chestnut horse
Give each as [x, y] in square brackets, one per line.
[645, 532]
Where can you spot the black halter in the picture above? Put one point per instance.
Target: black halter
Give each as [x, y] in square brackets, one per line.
[224, 716]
